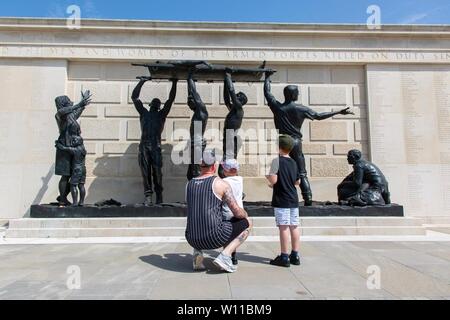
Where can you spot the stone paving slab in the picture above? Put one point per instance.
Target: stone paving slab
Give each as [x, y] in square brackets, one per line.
[427, 264]
[433, 260]
[330, 270]
[325, 276]
[398, 279]
[267, 283]
[433, 249]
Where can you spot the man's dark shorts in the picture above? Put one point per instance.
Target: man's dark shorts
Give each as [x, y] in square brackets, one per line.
[239, 226]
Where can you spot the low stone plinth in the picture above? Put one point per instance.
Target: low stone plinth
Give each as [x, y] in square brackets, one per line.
[320, 209]
[179, 210]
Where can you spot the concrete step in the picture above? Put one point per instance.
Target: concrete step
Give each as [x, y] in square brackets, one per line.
[179, 232]
[94, 232]
[111, 223]
[437, 220]
[347, 231]
[3, 226]
[175, 227]
[442, 228]
[437, 223]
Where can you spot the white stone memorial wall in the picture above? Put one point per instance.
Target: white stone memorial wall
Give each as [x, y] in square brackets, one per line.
[396, 80]
[409, 110]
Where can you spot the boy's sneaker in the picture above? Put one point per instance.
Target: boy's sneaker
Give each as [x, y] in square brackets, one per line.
[234, 259]
[279, 262]
[225, 263]
[295, 260]
[198, 261]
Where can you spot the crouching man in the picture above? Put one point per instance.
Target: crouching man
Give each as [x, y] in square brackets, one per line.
[206, 228]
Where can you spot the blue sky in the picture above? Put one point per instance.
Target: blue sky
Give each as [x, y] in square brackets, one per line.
[296, 11]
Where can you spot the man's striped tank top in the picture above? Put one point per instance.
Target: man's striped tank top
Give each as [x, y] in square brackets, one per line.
[206, 229]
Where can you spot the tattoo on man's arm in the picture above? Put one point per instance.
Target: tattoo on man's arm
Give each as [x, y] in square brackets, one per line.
[229, 199]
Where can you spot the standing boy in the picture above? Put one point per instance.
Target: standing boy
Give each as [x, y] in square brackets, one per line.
[284, 177]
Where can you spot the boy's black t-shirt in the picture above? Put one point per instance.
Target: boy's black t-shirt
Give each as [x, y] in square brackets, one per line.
[285, 192]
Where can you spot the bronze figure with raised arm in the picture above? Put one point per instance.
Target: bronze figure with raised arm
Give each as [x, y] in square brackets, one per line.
[235, 103]
[66, 118]
[199, 122]
[152, 126]
[289, 118]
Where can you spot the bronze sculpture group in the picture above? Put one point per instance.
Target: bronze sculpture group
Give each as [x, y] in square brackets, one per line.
[70, 152]
[366, 186]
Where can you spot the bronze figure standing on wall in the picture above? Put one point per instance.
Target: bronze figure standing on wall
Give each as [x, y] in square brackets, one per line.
[67, 119]
[289, 118]
[199, 122]
[235, 103]
[152, 126]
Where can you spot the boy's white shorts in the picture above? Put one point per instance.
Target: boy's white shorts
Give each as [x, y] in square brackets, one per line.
[287, 217]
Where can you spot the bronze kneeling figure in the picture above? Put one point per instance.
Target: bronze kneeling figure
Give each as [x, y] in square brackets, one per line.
[365, 186]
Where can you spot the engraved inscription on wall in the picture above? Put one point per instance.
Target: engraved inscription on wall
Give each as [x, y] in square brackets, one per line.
[409, 133]
[85, 51]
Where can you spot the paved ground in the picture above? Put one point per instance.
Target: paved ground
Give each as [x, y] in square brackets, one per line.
[331, 270]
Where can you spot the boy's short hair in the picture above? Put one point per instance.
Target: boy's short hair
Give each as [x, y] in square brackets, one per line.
[286, 143]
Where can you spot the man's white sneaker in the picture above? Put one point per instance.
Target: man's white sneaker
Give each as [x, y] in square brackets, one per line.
[225, 263]
[198, 261]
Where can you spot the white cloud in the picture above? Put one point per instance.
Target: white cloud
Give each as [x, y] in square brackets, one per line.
[415, 18]
[411, 19]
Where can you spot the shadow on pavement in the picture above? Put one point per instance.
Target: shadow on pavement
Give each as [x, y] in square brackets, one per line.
[247, 257]
[182, 262]
[176, 262]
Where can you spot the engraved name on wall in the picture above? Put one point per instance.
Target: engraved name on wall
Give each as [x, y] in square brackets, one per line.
[409, 110]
